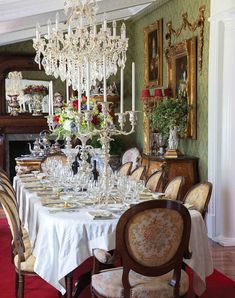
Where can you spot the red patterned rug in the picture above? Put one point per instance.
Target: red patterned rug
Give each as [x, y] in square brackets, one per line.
[218, 285]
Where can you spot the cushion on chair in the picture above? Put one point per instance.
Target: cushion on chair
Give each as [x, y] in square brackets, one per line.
[161, 231]
[28, 264]
[109, 284]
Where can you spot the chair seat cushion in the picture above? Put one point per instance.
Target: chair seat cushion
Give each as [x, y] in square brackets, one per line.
[28, 264]
[109, 284]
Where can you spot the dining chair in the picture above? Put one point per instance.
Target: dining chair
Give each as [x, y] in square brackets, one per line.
[151, 240]
[6, 185]
[199, 197]
[56, 156]
[24, 260]
[133, 155]
[172, 190]
[138, 174]
[125, 169]
[154, 181]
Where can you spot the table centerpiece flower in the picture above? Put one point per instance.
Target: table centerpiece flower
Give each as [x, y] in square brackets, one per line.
[64, 124]
[36, 93]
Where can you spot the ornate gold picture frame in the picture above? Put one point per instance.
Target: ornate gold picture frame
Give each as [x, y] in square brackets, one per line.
[182, 77]
[153, 55]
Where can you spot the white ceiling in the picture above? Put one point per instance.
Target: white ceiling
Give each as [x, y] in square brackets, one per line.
[18, 18]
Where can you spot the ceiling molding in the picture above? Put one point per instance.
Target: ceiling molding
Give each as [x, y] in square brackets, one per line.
[155, 5]
[20, 19]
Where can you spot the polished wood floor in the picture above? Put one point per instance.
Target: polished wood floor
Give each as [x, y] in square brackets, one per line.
[223, 257]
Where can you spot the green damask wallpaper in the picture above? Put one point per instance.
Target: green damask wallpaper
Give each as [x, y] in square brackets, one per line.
[172, 11]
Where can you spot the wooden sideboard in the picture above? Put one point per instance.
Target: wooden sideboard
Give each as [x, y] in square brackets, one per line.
[185, 166]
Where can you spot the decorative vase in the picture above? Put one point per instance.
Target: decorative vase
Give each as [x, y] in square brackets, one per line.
[13, 104]
[173, 142]
[36, 102]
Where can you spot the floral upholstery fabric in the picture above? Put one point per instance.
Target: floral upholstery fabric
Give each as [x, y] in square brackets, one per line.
[197, 197]
[153, 180]
[153, 236]
[137, 174]
[125, 169]
[172, 190]
[109, 284]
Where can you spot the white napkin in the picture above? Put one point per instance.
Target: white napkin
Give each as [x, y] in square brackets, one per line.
[100, 214]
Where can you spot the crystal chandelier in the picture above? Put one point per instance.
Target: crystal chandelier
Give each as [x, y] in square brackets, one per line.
[82, 53]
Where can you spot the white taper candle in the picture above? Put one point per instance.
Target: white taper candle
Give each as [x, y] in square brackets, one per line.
[133, 86]
[104, 79]
[121, 90]
[67, 91]
[51, 95]
[88, 85]
[79, 91]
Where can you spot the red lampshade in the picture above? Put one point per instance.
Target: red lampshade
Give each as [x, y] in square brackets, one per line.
[158, 93]
[145, 93]
[167, 92]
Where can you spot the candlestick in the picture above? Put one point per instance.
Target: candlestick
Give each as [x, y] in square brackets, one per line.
[133, 86]
[88, 85]
[121, 90]
[104, 79]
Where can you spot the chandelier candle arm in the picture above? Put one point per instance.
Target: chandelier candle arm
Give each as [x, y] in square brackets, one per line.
[121, 90]
[133, 86]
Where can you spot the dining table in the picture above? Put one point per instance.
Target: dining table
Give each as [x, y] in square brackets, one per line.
[64, 234]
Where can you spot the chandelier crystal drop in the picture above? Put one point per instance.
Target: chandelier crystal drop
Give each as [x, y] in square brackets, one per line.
[80, 53]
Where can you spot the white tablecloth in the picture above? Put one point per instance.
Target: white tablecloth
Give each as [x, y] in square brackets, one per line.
[62, 241]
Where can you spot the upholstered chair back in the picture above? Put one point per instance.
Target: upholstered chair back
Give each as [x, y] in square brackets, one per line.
[199, 196]
[154, 181]
[125, 169]
[152, 238]
[133, 155]
[11, 213]
[138, 174]
[57, 157]
[173, 189]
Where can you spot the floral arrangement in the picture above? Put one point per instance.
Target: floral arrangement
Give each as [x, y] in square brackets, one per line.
[36, 89]
[65, 123]
[168, 113]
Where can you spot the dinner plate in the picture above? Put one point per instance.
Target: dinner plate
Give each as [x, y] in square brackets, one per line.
[62, 206]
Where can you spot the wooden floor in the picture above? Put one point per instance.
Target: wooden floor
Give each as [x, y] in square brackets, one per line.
[223, 257]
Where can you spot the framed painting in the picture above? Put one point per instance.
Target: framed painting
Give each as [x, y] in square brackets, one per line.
[182, 77]
[153, 55]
